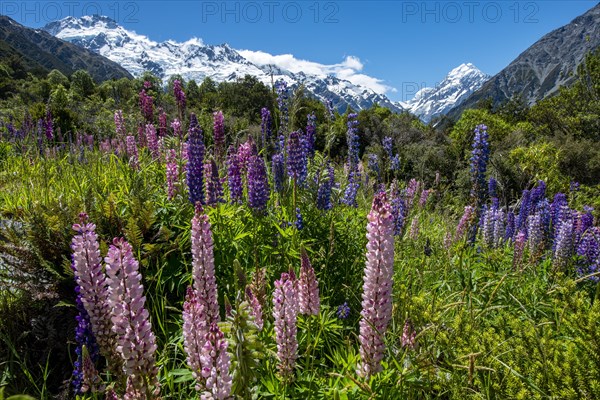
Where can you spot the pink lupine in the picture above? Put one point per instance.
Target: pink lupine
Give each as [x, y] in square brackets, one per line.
[377, 288]
[219, 134]
[176, 125]
[520, 242]
[132, 152]
[215, 365]
[152, 140]
[203, 265]
[414, 229]
[308, 288]
[464, 222]
[172, 170]
[120, 125]
[408, 335]
[93, 286]
[195, 329]
[285, 313]
[131, 321]
[162, 123]
[255, 308]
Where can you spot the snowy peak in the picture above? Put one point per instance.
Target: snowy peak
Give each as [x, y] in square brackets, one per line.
[196, 60]
[460, 83]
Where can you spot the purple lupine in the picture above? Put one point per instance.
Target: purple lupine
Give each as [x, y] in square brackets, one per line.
[330, 109]
[219, 134]
[84, 337]
[258, 184]
[499, 227]
[352, 189]
[93, 291]
[285, 313]
[278, 170]
[131, 321]
[152, 140]
[413, 234]
[510, 226]
[176, 126]
[195, 170]
[524, 212]
[299, 223]
[214, 189]
[487, 228]
[574, 186]
[538, 193]
[255, 308]
[520, 242]
[377, 288]
[324, 191]
[373, 165]
[412, 189]
[399, 212]
[203, 266]
[179, 96]
[215, 365]
[132, 152]
[588, 249]
[49, 124]
[584, 221]
[535, 235]
[388, 146]
[424, 197]
[343, 311]
[120, 129]
[564, 244]
[463, 224]
[282, 97]
[265, 126]
[479, 158]
[352, 141]
[409, 335]
[172, 171]
[162, 123]
[195, 328]
[296, 158]
[311, 133]
[147, 106]
[308, 288]
[234, 176]
[395, 163]
[245, 152]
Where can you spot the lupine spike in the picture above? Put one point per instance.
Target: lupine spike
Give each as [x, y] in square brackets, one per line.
[234, 176]
[285, 313]
[308, 287]
[258, 184]
[195, 170]
[219, 134]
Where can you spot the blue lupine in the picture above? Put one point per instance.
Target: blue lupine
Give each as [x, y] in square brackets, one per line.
[352, 140]
[585, 220]
[560, 201]
[278, 170]
[343, 311]
[299, 223]
[510, 226]
[83, 337]
[373, 165]
[387, 146]
[195, 170]
[258, 184]
[234, 176]
[524, 212]
[351, 189]
[574, 186]
[492, 187]
[296, 158]
[538, 193]
[265, 126]
[399, 211]
[479, 160]
[330, 109]
[563, 248]
[214, 189]
[324, 191]
[311, 133]
[395, 164]
[535, 234]
[588, 249]
[282, 97]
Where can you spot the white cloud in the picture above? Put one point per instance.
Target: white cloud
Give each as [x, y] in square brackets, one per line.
[349, 69]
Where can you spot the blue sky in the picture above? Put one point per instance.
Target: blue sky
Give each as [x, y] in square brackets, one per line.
[394, 46]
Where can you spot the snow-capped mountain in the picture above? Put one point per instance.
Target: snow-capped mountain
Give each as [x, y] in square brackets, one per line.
[195, 60]
[458, 85]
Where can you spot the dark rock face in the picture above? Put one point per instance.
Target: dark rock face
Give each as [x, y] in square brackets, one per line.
[41, 49]
[540, 70]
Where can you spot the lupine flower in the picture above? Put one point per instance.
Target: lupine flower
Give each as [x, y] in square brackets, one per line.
[172, 171]
[299, 223]
[524, 212]
[93, 291]
[352, 189]
[131, 322]
[584, 221]
[176, 126]
[219, 133]
[245, 152]
[132, 152]
[414, 229]
[388, 146]
[408, 335]
[324, 191]
[278, 172]
[234, 176]
[310, 137]
[424, 197]
[84, 337]
[588, 249]
[479, 159]
[296, 158]
[285, 313]
[214, 189]
[564, 243]
[499, 228]
[330, 109]
[488, 219]
[90, 380]
[538, 193]
[308, 287]
[141, 135]
[215, 365]
[411, 192]
[399, 212]
[520, 242]
[265, 126]
[535, 234]
[395, 164]
[255, 308]
[463, 224]
[510, 226]
[203, 266]
[377, 289]
[179, 96]
[574, 186]
[258, 184]
[448, 240]
[147, 106]
[282, 97]
[152, 141]
[343, 311]
[48, 124]
[120, 124]
[194, 176]
[162, 123]
[352, 140]
[195, 328]
[373, 165]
